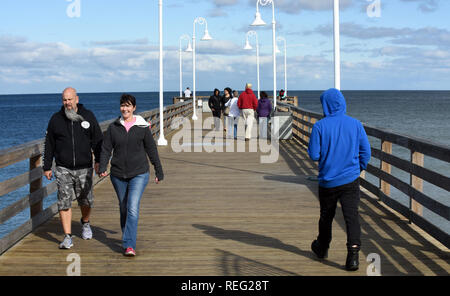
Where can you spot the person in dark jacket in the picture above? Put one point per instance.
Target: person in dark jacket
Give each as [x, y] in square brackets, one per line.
[130, 140]
[215, 104]
[73, 134]
[340, 144]
[263, 110]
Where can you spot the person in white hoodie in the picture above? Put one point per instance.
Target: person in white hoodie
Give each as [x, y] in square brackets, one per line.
[130, 140]
[233, 115]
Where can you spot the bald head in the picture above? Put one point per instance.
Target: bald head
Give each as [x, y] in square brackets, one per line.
[70, 99]
[69, 91]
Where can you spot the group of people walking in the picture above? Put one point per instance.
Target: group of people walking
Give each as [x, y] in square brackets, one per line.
[233, 106]
[76, 143]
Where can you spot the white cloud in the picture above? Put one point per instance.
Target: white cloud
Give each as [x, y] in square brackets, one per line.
[430, 36]
[426, 5]
[225, 2]
[296, 6]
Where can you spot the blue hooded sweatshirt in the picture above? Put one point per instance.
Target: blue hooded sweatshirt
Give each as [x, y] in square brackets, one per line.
[339, 142]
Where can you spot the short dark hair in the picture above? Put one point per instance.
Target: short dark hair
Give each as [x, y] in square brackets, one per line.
[128, 99]
[263, 94]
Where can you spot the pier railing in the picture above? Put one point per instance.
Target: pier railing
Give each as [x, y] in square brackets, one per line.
[32, 152]
[302, 123]
[184, 99]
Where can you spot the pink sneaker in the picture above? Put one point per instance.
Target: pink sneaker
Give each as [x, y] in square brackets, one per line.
[130, 252]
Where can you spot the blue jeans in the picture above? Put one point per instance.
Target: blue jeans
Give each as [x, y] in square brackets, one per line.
[232, 125]
[129, 193]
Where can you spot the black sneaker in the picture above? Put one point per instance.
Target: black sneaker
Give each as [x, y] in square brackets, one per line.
[319, 250]
[352, 262]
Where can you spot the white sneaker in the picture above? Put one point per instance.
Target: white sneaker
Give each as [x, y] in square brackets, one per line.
[86, 232]
[66, 243]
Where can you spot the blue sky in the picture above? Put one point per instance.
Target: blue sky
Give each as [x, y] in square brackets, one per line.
[113, 45]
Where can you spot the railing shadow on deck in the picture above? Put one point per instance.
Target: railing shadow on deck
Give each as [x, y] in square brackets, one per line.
[50, 231]
[234, 265]
[259, 241]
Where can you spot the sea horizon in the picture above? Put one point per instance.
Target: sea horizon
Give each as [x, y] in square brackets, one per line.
[254, 89]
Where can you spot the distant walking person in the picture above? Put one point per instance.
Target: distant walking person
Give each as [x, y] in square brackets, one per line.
[215, 104]
[73, 134]
[233, 115]
[339, 142]
[248, 103]
[130, 141]
[263, 110]
[187, 92]
[282, 95]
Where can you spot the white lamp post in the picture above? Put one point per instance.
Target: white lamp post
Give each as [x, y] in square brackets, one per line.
[259, 22]
[161, 141]
[337, 50]
[188, 49]
[249, 47]
[285, 64]
[206, 36]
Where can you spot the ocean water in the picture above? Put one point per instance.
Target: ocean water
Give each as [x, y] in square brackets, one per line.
[422, 114]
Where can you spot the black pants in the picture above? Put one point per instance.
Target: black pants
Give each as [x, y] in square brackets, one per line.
[348, 196]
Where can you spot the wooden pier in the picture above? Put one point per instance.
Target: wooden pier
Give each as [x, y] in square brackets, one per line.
[222, 213]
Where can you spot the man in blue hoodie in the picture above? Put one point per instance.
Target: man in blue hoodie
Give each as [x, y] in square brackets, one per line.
[340, 144]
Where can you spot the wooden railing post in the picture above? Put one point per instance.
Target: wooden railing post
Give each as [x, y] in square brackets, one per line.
[305, 127]
[313, 121]
[385, 167]
[294, 123]
[417, 183]
[35, 185]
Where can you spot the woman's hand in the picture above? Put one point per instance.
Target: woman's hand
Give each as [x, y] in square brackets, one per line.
[48, 174]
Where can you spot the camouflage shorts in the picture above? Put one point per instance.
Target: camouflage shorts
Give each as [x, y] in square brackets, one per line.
[74, 184]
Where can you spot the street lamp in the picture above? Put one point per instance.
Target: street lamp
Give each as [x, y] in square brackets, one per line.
[206, 37]
[161, 141]
[259, 22]
[337, 50]
[188, 49]
[285, 69]
[249, 47]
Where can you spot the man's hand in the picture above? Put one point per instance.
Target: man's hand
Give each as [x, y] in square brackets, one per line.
[104, 174]
[48, 174]
[156, 180]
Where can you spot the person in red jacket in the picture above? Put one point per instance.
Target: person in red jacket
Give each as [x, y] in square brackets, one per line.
[248, 103]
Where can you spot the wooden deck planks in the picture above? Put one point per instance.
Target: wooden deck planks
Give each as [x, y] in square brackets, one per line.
[227, 214]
